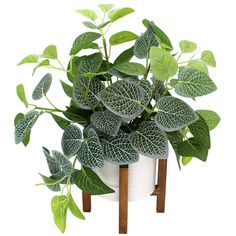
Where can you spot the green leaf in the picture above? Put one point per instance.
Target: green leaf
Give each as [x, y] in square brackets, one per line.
[198, 65]
[89, 24]
[150, 140]
[105, 7]
[59, 206]
[208, 57]
[88, 181]
[131, 68]
[92, 15]
[194, 83]
[122, 37]
[123, 98]
[67, 89]
[19, 117]
[50, 52]
[190, 147]
[173, 114]
[187, 46]
[33, 58]
[25, 125]
[61, 122]
[102, 25]
[125, 56]
[72, 72]
[147, 87]
[64, 163]
[212, 118]
[42, 87]
[41, 64]
[116, 14]
[118, 74]
[186, 160]
[21, 94]
[50, 183]
[85, 92]
[163, 65]
[144, 43]
[71, 140]
[106, 121]
[74, 209]
[91, 154]
[84, 41]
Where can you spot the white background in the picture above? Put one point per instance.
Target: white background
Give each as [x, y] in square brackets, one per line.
[200, 199]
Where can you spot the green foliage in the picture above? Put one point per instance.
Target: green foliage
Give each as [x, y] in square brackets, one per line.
[208, 57]
[122, 37]
[186, 160]
[105, 7]
[74, 209]
[21, 94]
[51, 183]
[125, 56]
[50, 52]
[61, 122]
[187, 46]
[198, 65]
[131, 68]
[33, 58]
[43, 63]
[67, 89]
[116, 14]
[212, 118]
[92, 15]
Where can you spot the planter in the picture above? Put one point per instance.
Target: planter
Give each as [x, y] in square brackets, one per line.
[141, 178]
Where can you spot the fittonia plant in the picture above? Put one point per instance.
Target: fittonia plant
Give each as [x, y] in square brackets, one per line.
[124, 107]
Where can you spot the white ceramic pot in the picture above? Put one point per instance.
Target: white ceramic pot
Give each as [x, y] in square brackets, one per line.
[141, 178]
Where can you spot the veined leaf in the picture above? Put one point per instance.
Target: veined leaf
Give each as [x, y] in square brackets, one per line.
[131, 68]
[41, 64]
[71, 140]
[72, 72]
[42, 87]
[116, 14]
[123, 98]
[122, 37]
[21, 94]
[67, 89]
[74, 209]
[88, 181]
[61, 122]
[84, 41]
[25, 125]
[173, 114]
[89, 24]
[194, 83]
[91, 154]
[50, 183]
[92, 15]
[163, 65]
[187, 46]
[33, 58]
[50, 52]
[105, 7]
[198, 65]
[212, 118]
[150, 140]
[208, 57]
[125, 56]
[186, 160]
[147, 87]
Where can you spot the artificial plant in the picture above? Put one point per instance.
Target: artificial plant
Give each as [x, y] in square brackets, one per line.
[124, 107]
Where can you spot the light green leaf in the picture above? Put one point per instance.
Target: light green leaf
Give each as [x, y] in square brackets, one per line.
[131, 68]
[41, 64]
[102, 25]
[187, 46]
[198, 65]
[21, 94]
[123, 98]
[89, 24]
[84, 41]
[25, 125]
[67, 89]
[61, 122]
[173, 114]
[122, 37]
[186, 160]
[42, 87]
[85, 92]
[91, 154]
[88, 181]
[74, 209]
[50, 52]
[71, 140]
[212, 118]
[150, 140]
[125, 56]
[33, 58]
[163, 65]
[105, 7]
[92, 15]
[116, 14]
[194, 83]
[59, 206]
[208, 57]
[50, 183]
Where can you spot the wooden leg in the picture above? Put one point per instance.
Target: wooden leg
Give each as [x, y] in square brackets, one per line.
[162, 167]
[86, 198]
[123, 199]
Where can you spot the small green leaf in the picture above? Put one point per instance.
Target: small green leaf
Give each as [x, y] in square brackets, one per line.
[74, 209]
[122, 37]
[50, 183]
[116, 14]
[198, 65]
[131, 68]
[41, 64]
[92, 15]
[89, 25]
[163, 64]
[187, 46]
[42, 87]
[67, 89]
[50, 52]
[186, 160]
[88, 181]
[33, 58]
[102, 25]
[72, 72]
[59, 206]
[212, 118]
[208, 57]
[21, 94]
[125, 56]
[105, 7]
[62, 123]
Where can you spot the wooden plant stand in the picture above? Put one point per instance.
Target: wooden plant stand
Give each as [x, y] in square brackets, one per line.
[159, 192]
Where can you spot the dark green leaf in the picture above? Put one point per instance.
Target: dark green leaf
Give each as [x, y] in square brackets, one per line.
[131, 68]
[29, 59]
[116, 14]
[50, 52]
[122, 37]
[50, 183]
[67, 89]
[21, 94]
[125, 56]
[62, 123]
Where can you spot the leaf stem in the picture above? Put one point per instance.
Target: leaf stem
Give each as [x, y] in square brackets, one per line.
[51, 184]
[50, 102]
[61, 64]
[48, 109]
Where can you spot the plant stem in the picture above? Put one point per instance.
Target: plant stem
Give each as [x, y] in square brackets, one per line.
[51, 184]
[61, 64]
[47, 109]
[147, 72]
[50, 102]
[179, 56]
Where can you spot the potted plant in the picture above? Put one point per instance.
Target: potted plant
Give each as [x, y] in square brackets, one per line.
[122, 111]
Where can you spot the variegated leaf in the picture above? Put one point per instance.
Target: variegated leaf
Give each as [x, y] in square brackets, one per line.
[53, 165]
[50, 183]
[147, 87]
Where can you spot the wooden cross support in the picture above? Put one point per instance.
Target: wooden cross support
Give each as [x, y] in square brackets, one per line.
[159, 192]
